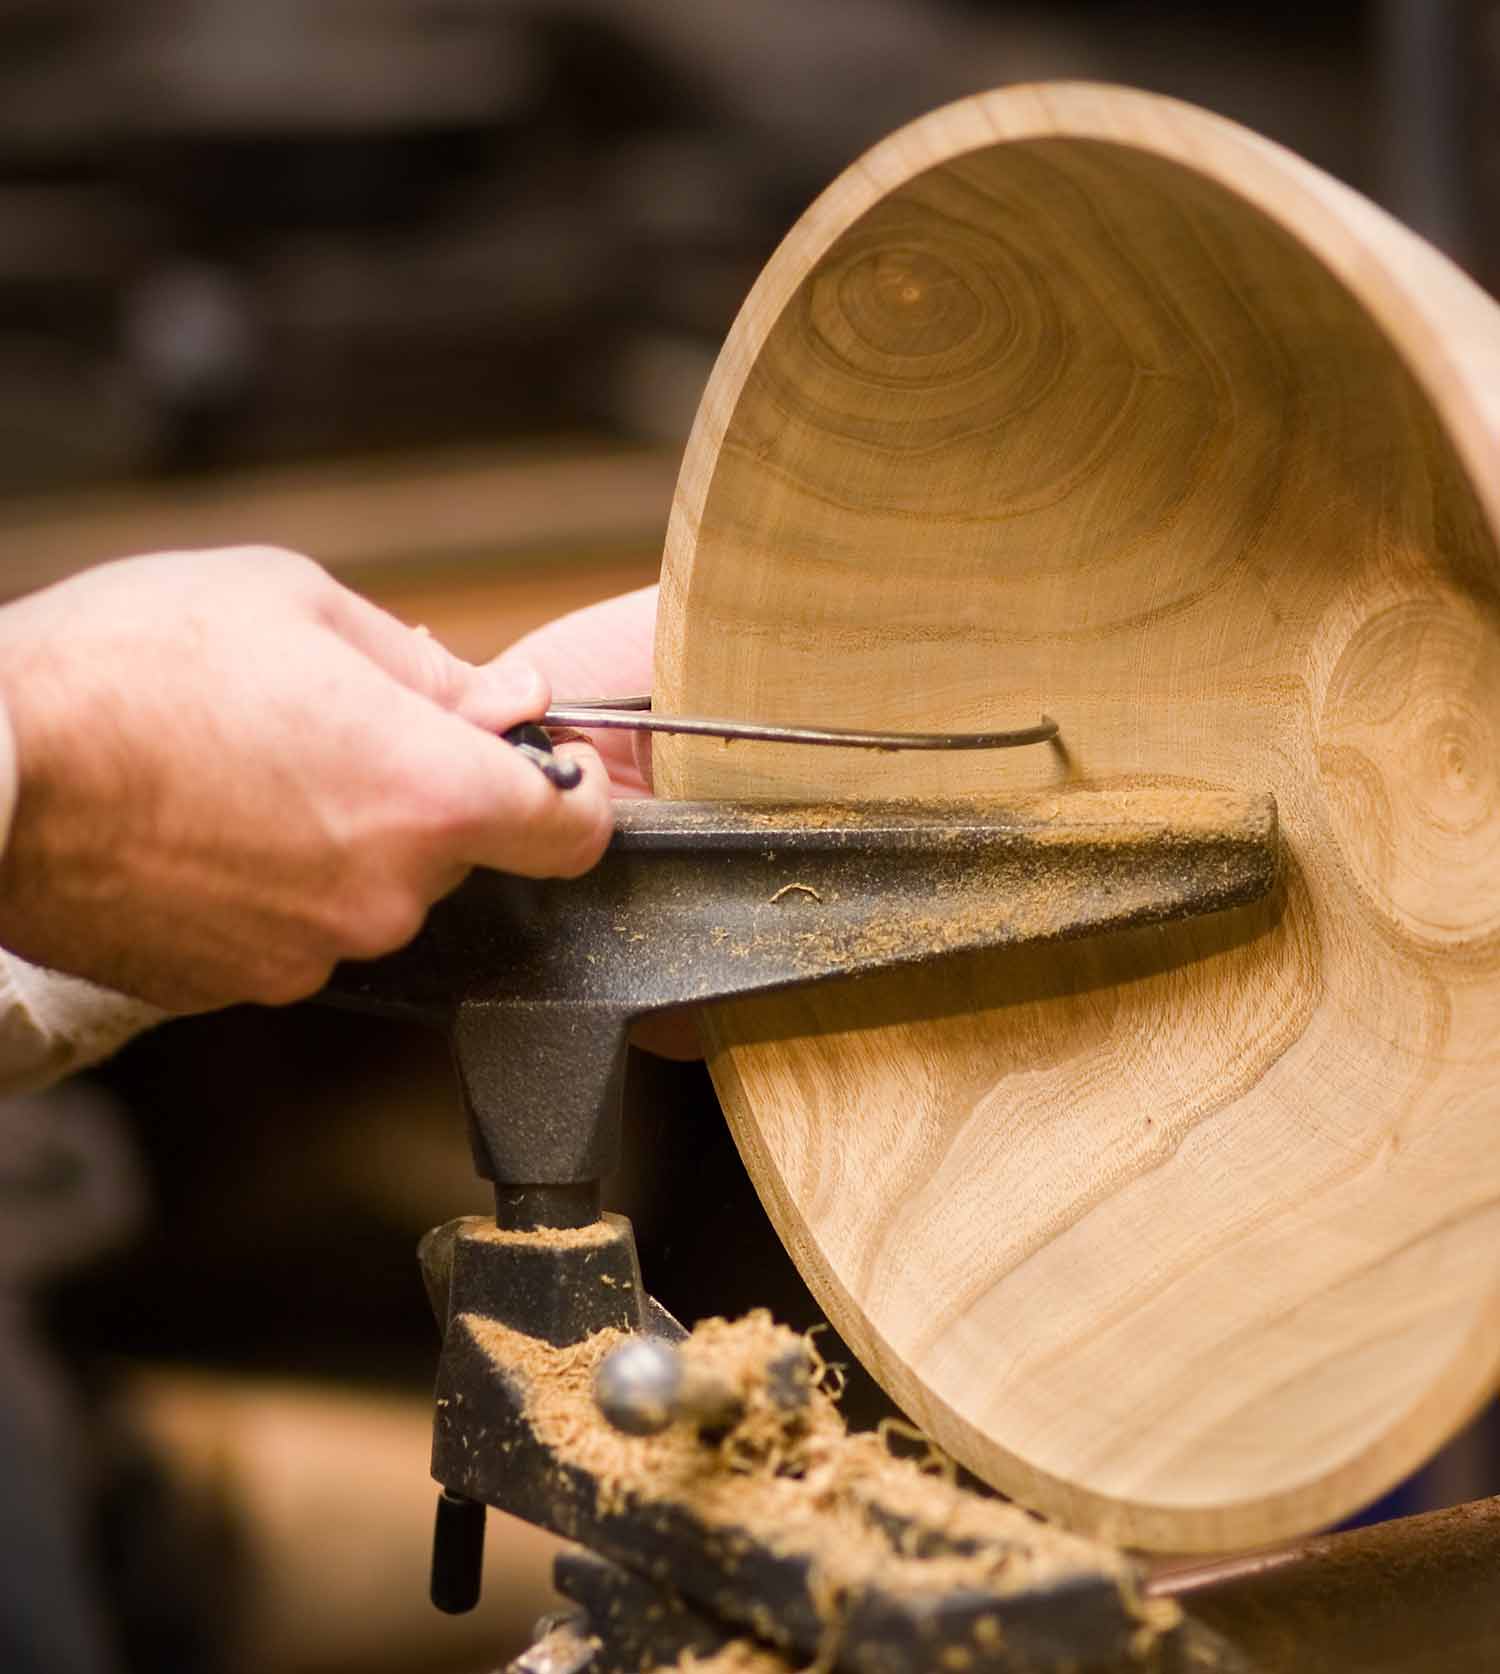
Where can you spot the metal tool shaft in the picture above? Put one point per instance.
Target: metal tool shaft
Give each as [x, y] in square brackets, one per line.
[634, 714]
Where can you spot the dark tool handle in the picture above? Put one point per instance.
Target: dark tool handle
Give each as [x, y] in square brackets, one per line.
[533, 743]
[457, 1553]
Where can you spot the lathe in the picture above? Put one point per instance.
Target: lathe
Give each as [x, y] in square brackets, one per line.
[1125, 1098]
[745, 1529]
[750, 1518]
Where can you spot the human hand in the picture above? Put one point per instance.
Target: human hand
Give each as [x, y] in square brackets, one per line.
[603, 650]
[235, 773]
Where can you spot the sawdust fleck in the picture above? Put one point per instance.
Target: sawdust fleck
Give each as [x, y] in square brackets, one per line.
[988, 1635]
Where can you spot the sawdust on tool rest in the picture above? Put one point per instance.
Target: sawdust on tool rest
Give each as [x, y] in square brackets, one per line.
[1143, 801]
[483, 1230]
[1130, 815]
[775, 816]
[739, 1656]
[1103, 824]
[807, 1486]
[1106, 825]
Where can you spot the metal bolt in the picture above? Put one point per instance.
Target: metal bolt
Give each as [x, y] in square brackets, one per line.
[644, 1385]
[638, 1385]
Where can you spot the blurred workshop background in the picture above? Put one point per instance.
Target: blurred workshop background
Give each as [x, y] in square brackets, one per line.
[429, 289]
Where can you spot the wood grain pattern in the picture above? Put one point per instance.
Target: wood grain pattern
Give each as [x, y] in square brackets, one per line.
[1077, 399]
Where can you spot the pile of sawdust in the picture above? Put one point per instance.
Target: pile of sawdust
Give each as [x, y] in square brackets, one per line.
[767, 1444]
[799, 1479]
[739, 1656]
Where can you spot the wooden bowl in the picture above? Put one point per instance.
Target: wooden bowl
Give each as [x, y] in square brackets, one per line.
[1076, 399]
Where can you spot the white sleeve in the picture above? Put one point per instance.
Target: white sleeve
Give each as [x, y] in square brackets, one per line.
[51, 1024]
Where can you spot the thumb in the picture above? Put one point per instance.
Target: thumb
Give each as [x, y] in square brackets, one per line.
[493, 697]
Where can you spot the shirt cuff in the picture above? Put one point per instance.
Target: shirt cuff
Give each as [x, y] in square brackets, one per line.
[52, 1024]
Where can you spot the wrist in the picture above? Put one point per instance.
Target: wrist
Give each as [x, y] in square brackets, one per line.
[22, 671]
[10, 778]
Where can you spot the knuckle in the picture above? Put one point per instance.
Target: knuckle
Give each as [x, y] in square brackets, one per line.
[379, 923]
[425, 809]
[401, 919]
[256, 562]
[523, 824]
[442, 675]
[580, 851]
[427, 806]
[296, 977]
[532, 805]
[282, 557]
[292, 575]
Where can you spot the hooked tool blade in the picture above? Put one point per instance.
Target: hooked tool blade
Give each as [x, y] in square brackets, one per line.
[636, 714]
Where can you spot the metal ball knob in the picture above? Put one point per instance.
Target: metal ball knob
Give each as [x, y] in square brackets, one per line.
[638, 1386]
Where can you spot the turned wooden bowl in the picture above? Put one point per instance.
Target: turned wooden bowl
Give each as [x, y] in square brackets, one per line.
[1075, 399]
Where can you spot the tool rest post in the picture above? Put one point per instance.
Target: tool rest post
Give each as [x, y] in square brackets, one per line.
[552, 1290]
[536, 1208]
[543, 1087]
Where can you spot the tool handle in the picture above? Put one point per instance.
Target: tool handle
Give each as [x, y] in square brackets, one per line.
[533, 743]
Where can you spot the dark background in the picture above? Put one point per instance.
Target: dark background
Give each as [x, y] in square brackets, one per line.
[241, 237]
[239, 230]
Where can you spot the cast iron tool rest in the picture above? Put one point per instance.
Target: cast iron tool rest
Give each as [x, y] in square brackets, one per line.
[538, 983]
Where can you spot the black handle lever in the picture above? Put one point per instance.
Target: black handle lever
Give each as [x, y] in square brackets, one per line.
[457, 1553]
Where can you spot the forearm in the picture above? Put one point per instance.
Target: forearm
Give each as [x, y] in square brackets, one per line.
[52, 1024]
